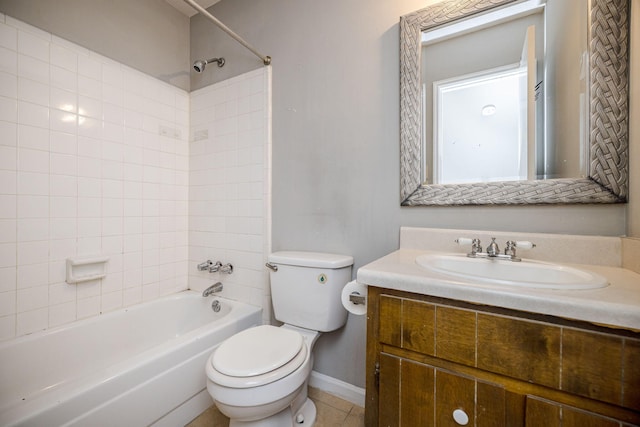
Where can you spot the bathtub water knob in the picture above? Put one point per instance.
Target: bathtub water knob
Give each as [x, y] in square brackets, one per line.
[300, 419]
[215, 305]
[203, 266]
[227, 268]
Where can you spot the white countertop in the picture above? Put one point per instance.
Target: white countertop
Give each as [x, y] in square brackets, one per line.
[617, 305]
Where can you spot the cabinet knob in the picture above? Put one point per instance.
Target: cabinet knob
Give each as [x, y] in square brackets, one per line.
[460, 417]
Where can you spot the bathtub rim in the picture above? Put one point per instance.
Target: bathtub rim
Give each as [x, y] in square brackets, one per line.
[184, 294]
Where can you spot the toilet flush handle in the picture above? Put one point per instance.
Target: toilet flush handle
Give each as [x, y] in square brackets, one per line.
[272, 267]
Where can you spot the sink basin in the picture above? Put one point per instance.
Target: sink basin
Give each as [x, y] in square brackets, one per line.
[526, 273]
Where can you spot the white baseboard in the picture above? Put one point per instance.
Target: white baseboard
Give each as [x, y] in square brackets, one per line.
[338, 388]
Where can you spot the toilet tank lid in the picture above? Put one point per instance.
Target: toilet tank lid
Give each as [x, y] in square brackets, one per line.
[311, 259]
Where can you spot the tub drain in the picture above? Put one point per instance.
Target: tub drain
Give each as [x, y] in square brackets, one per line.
[215, 305]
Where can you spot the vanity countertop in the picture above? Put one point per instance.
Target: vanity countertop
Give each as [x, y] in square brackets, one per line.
[617, 305]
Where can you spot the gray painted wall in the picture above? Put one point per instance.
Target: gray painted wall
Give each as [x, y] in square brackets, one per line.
[148, 35]
[335, 124]
[336, 141]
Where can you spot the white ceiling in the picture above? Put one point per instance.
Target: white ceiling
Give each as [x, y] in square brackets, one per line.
[188, 10]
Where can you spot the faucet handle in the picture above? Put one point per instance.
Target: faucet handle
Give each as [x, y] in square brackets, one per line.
[205, 265]
[213, 268]
[227, 268]
[510, 249]
[524, 244]
[475, 244]
[464, 241]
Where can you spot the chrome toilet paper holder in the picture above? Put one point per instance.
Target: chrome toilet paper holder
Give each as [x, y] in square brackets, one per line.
[357, 299]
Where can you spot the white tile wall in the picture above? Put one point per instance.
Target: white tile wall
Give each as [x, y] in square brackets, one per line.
[229, 186]
[93, 160]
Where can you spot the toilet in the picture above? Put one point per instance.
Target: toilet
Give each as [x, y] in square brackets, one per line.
[258, 377]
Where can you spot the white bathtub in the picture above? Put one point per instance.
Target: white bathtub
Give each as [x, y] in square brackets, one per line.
[138, 366]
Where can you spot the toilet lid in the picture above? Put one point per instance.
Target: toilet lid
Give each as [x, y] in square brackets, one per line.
[257, 351]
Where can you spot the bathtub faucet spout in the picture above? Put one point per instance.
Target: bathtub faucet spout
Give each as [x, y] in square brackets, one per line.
[216, 287]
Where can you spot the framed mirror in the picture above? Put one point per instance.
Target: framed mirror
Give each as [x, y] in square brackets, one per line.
[606, 124]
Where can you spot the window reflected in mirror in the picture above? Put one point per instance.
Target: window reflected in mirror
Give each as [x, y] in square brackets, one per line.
[517, 60]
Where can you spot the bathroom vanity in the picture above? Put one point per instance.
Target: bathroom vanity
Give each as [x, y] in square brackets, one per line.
[443, 352]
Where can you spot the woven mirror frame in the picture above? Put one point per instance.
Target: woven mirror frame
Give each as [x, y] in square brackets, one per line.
[609, 106]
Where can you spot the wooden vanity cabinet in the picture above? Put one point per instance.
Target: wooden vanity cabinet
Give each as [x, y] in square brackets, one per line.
[439, 362]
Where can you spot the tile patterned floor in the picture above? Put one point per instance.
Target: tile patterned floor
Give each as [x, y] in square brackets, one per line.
[332, 412]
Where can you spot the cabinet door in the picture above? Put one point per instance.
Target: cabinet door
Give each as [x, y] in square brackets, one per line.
[413, 394]
[484, 404]
[406, 396]
[549, 414]
[389, 391]
[455, 400]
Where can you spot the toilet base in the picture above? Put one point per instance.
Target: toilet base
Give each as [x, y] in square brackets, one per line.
[305, 417]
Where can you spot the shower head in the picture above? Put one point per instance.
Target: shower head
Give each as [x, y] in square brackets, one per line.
[201, 63]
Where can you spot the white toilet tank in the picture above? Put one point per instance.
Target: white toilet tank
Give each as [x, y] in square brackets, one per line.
[306, 289]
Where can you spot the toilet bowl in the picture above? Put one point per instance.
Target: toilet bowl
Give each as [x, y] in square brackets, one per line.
[258, 377]
[265, 383]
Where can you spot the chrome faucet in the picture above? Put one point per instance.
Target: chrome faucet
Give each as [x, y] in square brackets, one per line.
[205, 265]
[216, 287]
[510, 249]
[215, 267]
[493, 251]
[212, 267]
[227, 268]
[475, 246]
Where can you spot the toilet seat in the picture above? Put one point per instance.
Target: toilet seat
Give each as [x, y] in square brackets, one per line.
[257, 356]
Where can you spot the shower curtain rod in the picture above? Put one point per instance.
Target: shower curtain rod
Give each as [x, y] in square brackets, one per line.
[265, 59]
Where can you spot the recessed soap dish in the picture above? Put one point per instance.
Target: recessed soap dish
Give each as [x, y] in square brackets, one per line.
[86, 269]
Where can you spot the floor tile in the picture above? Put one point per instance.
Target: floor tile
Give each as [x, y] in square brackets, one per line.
[321, 396]
[328, 416]
[332, 412]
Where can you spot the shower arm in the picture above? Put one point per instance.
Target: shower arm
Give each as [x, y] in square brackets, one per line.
[265, 59]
